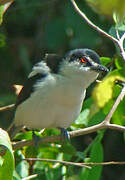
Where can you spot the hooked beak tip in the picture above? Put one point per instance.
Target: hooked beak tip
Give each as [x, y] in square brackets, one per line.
[100, 68]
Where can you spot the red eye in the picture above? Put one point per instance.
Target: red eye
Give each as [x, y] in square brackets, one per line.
[83, 60]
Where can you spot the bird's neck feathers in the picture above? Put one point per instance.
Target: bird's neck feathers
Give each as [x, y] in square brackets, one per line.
[78, 76]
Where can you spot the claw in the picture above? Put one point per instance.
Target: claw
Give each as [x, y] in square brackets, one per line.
[64, 134]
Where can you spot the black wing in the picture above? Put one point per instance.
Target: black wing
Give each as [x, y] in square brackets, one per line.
[28, 88]
[53, 62]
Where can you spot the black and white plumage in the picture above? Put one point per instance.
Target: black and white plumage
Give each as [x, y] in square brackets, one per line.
[54, 92]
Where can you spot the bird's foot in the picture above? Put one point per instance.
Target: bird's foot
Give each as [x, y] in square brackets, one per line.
[36, 139]
[64, 134]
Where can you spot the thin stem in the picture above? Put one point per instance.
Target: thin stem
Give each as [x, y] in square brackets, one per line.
[117, 34]
[122, 52]
[58, 161]
[30, 177]
[90, 23]
[87, 130]
[79, 164]
[121, 46]
[122, 39]
[5, 108]
[115, 105]
[118, 41]
[5, 2]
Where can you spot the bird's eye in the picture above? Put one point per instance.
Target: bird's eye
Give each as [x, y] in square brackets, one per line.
[83, 59]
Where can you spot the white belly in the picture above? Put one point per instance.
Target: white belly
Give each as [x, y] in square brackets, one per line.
[53, 106]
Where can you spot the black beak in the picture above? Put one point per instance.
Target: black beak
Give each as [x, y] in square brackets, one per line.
[99, 68]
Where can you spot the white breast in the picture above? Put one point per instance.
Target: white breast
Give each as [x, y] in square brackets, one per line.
[56, 103]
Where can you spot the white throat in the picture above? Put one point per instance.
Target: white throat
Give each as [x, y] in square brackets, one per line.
[81, 76]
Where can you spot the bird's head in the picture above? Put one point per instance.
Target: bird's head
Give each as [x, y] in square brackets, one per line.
[83, 65]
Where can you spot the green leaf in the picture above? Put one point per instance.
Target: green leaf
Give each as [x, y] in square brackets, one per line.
[87, 103]
[1, 13]
[120, 30]
[27, 135]
[119, 115]
[108, 106]
[109, 8]
[23, 169]
[112, 31]
[16, 176]
[7, 160]
[96, 118]
[96, 155]
[82, 120]
[105, 60]
[120, 64]
[121, 27]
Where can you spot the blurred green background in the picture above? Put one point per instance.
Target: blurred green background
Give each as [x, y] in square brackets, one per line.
[32, 28]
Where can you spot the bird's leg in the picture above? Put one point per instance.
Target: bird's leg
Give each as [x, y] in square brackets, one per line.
[64, 134]
[36, 139]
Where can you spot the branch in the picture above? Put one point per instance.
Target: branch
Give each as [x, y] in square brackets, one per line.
[90, 23]
[118, 100]
[72, 134]
[121, 47]
[87, 165]
[5, 108]
[58, 161]
[30, 177]
[118, 41]
[3, 2]
[105, 163]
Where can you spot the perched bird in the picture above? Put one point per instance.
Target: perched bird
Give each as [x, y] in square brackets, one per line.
[54, 92]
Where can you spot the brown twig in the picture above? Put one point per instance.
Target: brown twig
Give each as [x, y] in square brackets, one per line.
[58, 161]
[5, 108]
[105, 163]
[3, 2]
[87, 165]
[90, 23]
[118, 100]
[118, 41]
[30, 177]
[121, 47]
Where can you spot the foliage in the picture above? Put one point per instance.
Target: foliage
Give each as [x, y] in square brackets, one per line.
[7, 160]
[109, 7]
[32, 28]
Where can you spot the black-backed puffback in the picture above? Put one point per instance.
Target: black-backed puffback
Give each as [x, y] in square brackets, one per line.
[54, 91]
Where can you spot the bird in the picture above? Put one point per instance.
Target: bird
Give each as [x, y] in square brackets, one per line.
[53, 94]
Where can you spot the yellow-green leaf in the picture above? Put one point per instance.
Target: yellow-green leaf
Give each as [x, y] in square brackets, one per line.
[3, 9]
[103, 92]
[109, 7]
